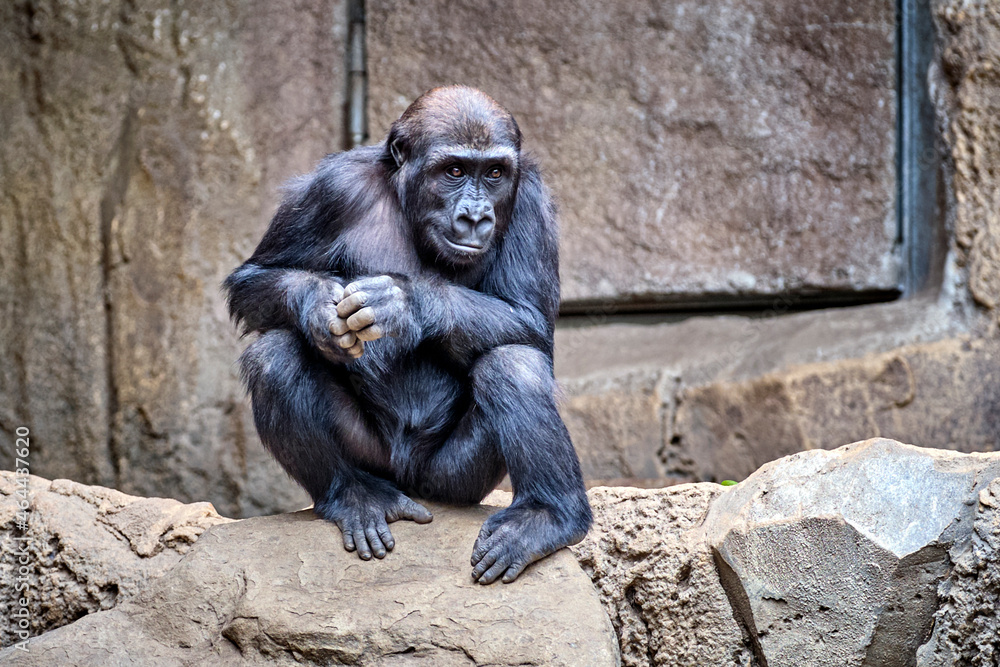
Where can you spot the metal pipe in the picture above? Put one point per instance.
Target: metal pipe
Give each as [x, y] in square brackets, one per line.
[357, 73]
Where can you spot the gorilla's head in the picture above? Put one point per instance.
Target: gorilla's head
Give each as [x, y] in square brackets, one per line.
[455, 155]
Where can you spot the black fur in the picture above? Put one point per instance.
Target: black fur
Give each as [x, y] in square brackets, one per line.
[453, 387]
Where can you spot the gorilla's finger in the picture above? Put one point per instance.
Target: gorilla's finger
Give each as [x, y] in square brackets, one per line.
[357, 350]
[385, 535]
[496, 570]
[514, 571]
[414, 511]
[347, 340]
[485, 544]
[361, 541]
[350, 304]
[374, 332]
[337, 291]
[375, 542]
[485, 563]
[361, 319]
[338, 326]
[478, 551]
[348, 538]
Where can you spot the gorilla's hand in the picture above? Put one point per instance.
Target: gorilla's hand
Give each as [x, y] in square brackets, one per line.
[514, 538]
[376, 307]
[327, 331]
[363, 513]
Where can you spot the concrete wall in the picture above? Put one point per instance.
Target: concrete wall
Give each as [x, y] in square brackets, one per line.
[142, 147]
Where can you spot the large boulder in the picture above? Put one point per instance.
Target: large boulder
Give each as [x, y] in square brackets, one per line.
[87, 548]
[835, 558]
[282, 590]
[873, 554]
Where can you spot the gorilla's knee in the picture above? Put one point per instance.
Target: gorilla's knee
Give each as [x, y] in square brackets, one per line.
[271, 360]
[512, 370]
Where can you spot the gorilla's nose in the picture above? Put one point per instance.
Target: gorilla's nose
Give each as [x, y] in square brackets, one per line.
[474, 224]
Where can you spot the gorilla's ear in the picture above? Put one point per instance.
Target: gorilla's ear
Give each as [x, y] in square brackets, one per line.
[395, 145]
[396, 150]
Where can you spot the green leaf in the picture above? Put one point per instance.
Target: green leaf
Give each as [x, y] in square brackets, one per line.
[728, 482]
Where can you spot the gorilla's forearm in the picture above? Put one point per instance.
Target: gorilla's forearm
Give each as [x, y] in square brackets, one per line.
[470, 323]
[262, 298]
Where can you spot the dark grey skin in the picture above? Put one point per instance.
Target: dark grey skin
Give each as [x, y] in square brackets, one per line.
[405, 295]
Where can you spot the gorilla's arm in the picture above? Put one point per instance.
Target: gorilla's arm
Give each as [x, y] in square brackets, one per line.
[286, 283]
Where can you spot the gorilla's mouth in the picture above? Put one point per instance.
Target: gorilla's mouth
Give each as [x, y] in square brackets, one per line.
[467, 248]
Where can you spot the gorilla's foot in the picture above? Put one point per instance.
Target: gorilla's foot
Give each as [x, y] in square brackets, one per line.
[363, 513]
[514, 538]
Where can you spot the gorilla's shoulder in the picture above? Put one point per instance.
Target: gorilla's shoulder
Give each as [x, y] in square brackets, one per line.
[352, 164]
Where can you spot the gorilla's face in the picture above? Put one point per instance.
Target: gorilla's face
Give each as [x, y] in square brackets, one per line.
[455, 155]
[466, 199]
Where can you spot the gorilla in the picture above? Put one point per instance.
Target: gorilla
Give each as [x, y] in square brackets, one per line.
[405, 296]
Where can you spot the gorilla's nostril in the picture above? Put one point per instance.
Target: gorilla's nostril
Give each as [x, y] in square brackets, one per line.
[463, 225]
[484, 227]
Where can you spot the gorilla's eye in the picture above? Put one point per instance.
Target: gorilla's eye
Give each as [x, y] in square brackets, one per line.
[495, 173]
[455, 171]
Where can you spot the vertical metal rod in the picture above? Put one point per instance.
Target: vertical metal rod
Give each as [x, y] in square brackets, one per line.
[357, 75]
[920, 152]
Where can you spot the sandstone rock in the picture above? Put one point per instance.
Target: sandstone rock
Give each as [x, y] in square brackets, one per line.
[649, 559]
[281, 590]
[88, 548]
[697, 148]
[834, 558]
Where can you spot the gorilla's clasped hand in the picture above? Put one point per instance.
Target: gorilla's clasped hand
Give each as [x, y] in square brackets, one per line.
[374, 307]
[328, 332]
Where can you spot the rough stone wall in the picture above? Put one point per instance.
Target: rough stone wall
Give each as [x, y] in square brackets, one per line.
[970, 64]
[142, 147]
[726, 418]
[944, 394]
[142, 142]
[937, 395]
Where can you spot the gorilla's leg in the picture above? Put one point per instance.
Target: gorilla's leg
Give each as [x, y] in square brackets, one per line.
[308, 419]
[514, 424]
